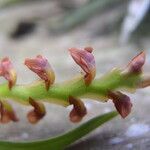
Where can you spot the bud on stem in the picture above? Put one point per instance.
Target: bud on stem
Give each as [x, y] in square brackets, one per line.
[42, 68]
[7, 113]
[37, 113]
[8, 72]
[85, 59]
[78, 111]
[136, 64]
[121, 102]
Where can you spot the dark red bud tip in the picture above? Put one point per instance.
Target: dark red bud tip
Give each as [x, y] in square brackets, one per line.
[89, 49]
[42, 68]
[8, 72]
[136, 64]
[122, 103]
[35, 115]
[78, 111]
[85, 59]
[7, 113]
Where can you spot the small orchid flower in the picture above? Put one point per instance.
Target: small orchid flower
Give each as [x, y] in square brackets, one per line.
[78, 111]
[42, 68]
[37, 113]
[122, 103]
[85, 59]
[8, 72]
[136, 64]
[7, 113]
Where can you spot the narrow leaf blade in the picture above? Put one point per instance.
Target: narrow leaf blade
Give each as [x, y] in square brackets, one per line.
[62, 141]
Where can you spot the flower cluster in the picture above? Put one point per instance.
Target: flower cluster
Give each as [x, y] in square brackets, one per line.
[85, 59]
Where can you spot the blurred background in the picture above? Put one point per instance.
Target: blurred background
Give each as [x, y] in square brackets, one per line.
[116, 29]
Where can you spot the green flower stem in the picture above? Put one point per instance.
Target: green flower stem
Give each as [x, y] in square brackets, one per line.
[59, 93]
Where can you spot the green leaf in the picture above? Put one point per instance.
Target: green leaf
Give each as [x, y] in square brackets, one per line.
[62, 141]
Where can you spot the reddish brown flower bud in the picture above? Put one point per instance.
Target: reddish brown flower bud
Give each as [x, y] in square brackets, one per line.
[78, 111]
[42, 68]
[85, 59]
[122, 103]
[136, 64]
[37, 113]
[8, 72]
[7, 113]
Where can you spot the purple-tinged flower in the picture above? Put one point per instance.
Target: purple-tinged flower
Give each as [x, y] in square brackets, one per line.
[85, 59]
[7, 113]
[42, 68]
[122, 103]
[136, 64]
[78, 111]
[8, 72]
[37, 113]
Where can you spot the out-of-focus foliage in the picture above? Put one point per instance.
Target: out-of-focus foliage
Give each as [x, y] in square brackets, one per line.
[137, 9]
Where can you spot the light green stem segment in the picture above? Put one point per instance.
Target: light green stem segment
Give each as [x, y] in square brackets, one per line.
[62, 141]
[59, 93]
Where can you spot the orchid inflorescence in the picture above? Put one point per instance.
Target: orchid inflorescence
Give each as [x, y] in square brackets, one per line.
[69, 93]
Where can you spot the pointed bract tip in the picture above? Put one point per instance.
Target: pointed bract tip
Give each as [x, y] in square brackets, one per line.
[144, 81]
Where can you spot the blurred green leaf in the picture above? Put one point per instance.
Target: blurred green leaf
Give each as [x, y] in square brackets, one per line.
[82, 14]
[62, 141]
[9, 2]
